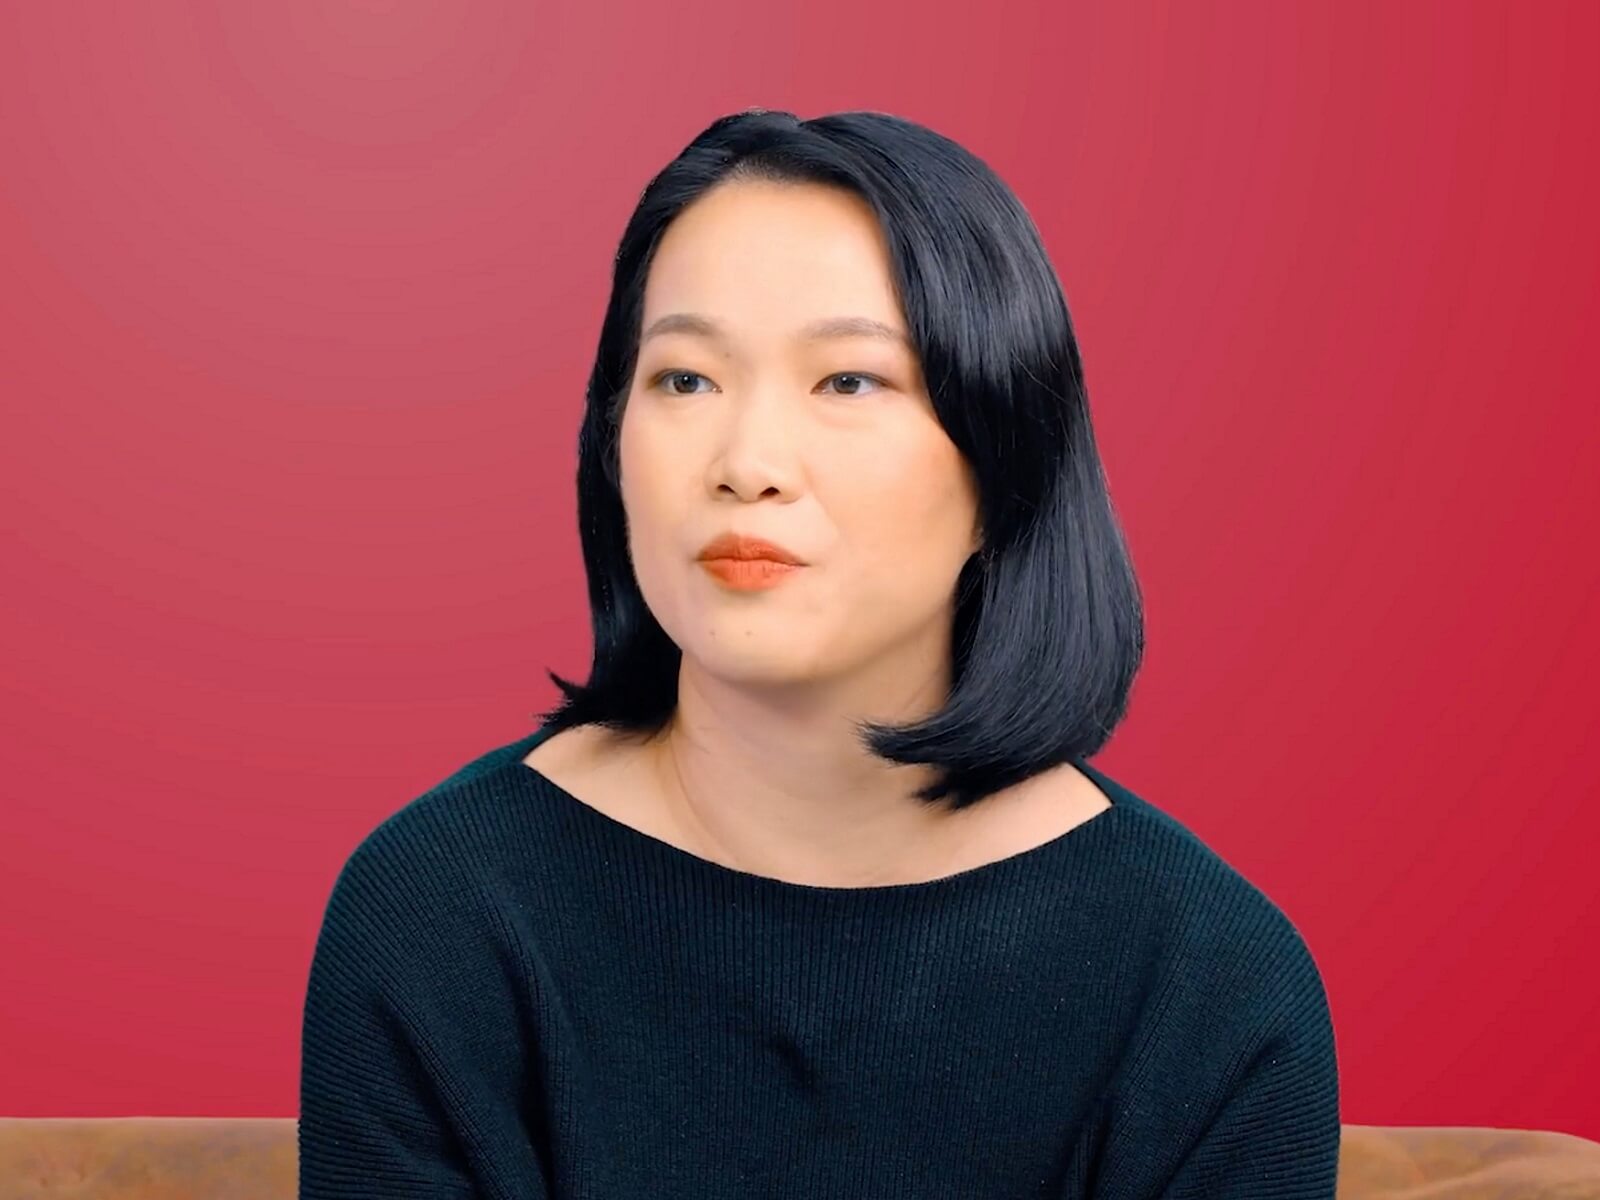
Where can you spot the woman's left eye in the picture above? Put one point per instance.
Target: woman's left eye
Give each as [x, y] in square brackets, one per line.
[857, 375]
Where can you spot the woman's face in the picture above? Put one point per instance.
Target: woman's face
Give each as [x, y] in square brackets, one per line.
[825, 445]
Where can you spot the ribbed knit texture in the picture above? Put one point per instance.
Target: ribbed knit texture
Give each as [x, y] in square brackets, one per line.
[514, 995]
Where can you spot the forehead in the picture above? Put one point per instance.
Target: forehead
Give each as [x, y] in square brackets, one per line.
[769, 259]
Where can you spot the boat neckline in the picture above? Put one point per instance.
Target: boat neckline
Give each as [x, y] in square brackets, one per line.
[1080, 835]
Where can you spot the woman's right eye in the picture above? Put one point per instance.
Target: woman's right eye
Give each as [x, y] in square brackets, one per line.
[669, 378]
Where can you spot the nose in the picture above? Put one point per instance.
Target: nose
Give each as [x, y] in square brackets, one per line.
[758, 450]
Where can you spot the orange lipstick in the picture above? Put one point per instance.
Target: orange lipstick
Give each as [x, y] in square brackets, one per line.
[749, 574]
[748, 564]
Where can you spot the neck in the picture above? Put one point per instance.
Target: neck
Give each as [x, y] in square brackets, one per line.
[786, 789]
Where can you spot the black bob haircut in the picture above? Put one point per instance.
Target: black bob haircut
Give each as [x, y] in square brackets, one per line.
[1048, 627]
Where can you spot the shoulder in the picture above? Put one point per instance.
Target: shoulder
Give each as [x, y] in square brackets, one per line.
[437, 888]
[459, 813]
[1219, 976]
[433, 850]
[1204, 919]
[1226, 1028]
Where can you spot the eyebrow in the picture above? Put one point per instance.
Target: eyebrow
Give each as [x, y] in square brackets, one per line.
[827, 327]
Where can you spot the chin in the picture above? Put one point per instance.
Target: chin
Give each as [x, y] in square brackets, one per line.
[753, 660]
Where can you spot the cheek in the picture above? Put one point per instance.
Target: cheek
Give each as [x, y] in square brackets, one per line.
[645, 500]
[918, 496]
[906, 524]
[653, 456]
[647, 475]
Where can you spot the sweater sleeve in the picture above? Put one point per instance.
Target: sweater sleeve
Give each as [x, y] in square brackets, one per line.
[1277, 1133]
[391, 1101]
[1235, 1089]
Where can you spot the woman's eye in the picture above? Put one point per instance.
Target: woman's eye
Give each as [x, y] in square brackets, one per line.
[856, 375]
[670, 378]
[667, 377]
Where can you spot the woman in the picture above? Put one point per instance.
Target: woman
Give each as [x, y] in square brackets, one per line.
[810, 890]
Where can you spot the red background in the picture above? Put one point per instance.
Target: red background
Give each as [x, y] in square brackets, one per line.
[298, 302]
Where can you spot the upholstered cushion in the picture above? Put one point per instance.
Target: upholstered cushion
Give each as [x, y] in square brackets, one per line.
[254, 1158]
[148, 1158]
[1405, 1162]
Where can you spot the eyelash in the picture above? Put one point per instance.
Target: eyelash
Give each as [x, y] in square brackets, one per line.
[663, 376]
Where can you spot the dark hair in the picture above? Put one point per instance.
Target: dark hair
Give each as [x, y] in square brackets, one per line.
[1048, 627]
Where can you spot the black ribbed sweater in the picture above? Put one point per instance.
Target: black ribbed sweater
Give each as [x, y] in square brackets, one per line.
[514, 995]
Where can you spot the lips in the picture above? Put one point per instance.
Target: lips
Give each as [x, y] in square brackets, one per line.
[744, 548]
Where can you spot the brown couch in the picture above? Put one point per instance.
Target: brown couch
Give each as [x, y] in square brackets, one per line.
[253, 1158]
